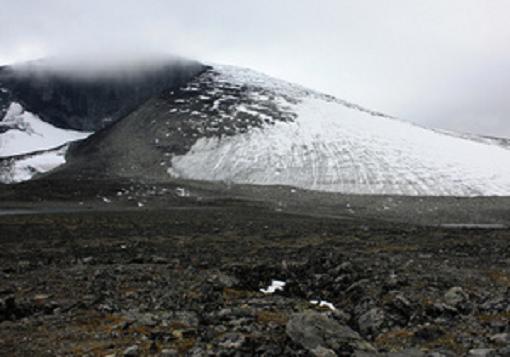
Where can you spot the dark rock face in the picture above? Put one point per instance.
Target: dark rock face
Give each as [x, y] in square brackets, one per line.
[5, 99]
[89, 102]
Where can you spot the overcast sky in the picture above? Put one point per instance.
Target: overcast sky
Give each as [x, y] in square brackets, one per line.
[440, 63]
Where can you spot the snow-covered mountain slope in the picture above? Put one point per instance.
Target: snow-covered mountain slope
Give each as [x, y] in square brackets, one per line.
[25, 167]
[22, 132]
[332, 146]
[239, 126]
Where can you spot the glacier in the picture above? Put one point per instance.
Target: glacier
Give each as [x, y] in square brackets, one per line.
[23, 132]
[332, 145]
[30, 146]
[25, 167]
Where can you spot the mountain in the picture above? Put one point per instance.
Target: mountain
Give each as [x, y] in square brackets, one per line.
[235, 125]
[238, 126]
[46, 104]
[89, 95]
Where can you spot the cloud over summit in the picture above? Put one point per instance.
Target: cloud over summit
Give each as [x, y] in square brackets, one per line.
[435, 62]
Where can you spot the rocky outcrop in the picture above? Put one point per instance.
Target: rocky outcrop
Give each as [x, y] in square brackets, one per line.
[79, 100]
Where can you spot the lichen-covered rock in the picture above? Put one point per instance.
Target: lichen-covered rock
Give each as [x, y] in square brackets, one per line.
[312, 330]
[456, 296]
[371, 321]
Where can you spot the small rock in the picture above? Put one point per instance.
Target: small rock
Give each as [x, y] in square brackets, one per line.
[439, 309]
[24, 264]
[345, 267]
[153, 349]
[428, 332]
[455, 296]
[481, 352]
[413, 352]
[341, 315]
[104, 308]
[323, 352]
[495, 304]
[132, 351]
[402, 304]
[505, 351]
[370, 322]
[223, 280]
[159, 260]
[147, 319]
[312, 330]
[196, 352]
[501, 338]
[40, 298]
[400, 310]
[365, 354]
[392, 282]
[232, 341]
[358, 287]
[169, 353]
[441, 354]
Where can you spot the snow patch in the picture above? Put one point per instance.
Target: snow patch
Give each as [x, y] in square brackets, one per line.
[182, 192]
[24, 169]
[276, 285]
[323, 303]
[172, 173]
[25, 132]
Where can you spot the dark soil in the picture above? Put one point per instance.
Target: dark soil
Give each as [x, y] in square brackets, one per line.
[188, 280]
[181, 275]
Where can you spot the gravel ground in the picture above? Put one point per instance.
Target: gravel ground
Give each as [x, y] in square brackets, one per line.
[136, 281]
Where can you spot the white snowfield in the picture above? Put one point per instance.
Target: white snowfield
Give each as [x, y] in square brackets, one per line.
[31, 145]
[334, 146]
[26, 133]
[27, 167]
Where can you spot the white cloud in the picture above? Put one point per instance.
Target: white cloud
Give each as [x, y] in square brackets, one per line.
[436, 62]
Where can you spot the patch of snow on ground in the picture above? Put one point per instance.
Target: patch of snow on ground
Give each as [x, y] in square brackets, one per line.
[182, 192]
[172, 173]
[323, 303]
[26, 133]
[276, 285]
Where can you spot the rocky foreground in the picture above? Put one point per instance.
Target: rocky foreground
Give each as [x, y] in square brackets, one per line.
[233, 279]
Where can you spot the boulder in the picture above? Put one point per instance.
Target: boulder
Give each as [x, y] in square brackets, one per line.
[370, 322]
[455, 296]
[312, 330]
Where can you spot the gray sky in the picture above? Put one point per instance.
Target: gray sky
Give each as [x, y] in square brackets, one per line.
[440, 63]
